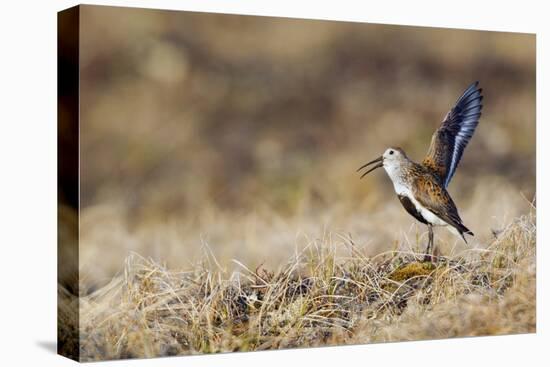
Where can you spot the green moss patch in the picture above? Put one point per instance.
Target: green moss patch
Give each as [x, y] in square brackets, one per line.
[411, 270]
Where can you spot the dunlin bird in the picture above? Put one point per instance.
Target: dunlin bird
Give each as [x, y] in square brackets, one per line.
[422, 187]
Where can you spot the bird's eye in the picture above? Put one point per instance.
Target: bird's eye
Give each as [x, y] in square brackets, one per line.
[391, 152]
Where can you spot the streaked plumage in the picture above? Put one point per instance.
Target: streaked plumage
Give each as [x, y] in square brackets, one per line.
[422, 188]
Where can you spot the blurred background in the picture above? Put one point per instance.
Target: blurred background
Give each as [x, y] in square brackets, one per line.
[241, 135]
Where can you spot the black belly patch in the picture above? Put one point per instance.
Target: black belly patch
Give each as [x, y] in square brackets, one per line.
[411, 209]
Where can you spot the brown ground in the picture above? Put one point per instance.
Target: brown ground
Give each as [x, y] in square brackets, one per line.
[317, 298]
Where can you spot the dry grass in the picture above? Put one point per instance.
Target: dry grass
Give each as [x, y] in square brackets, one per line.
[320, 297]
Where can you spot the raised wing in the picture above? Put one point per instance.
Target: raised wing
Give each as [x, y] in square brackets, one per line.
[458, 127]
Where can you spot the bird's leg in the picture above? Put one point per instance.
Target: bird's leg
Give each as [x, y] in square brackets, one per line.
[431, 235]
[429, 249]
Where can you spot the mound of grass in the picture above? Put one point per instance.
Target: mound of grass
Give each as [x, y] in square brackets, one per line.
[316, 299]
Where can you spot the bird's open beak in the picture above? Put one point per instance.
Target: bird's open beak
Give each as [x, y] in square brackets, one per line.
[378, 160]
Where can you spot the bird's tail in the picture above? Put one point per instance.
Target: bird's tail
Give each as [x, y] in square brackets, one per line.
[462, 229]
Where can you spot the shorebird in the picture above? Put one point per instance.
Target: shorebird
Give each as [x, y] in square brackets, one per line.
[422, 187]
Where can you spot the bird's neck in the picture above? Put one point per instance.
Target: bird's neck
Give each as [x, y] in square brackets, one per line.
[401, 176]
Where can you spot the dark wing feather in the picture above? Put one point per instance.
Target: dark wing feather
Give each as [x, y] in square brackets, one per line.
[458, 127]
[437, 200]
[411, 208]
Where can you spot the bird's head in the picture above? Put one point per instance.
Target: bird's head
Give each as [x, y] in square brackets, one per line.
[392, 159]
